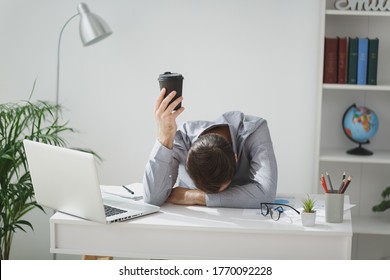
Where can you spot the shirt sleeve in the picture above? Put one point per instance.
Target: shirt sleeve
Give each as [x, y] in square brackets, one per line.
[160, 174]
[262, 184]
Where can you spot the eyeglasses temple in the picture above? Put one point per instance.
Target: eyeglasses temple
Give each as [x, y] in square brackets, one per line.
[281, 205]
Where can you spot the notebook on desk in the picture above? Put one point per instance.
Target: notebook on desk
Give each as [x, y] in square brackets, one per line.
[66, 180]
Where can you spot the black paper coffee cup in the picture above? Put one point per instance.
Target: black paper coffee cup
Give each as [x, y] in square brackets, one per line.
[172, 82]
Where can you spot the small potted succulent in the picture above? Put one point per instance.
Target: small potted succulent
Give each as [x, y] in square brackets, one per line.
[308, 214]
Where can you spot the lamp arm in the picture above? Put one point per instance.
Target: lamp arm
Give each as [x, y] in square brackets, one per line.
[58, 58]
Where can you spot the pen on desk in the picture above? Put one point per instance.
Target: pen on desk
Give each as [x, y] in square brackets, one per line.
[130, 191]
[330, 182]
[323, 183]
[347, 182]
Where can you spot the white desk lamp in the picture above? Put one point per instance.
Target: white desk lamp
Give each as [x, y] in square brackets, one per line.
[92, 29]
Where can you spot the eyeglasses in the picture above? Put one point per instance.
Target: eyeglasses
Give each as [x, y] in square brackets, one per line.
[275, 212]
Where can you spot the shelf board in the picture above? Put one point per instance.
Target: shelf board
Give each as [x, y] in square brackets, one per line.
[371, 225]
[356, 87]
[356, 13]
[340, 155]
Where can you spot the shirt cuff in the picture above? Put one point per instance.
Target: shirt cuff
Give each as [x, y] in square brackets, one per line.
[161, 153]
[213, 200]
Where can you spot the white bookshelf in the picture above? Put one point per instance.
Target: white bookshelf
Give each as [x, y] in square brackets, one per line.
[371, 174]
[341, 87]
[340, 155]
[356, 13]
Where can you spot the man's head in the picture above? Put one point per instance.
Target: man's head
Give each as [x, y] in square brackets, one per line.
[211, 163]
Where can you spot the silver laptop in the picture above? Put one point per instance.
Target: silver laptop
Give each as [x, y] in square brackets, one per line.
[66, 180]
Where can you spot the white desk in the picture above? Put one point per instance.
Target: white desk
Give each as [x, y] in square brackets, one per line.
[180, 232]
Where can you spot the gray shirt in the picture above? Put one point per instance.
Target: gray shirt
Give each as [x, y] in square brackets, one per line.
[254, 182]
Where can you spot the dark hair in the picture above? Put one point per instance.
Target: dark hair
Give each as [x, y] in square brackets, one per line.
[211, 162]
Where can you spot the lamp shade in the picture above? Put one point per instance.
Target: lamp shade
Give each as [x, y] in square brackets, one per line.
[92, 27]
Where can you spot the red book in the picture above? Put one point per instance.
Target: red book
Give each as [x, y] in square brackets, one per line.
[342, 60]
[330, 60]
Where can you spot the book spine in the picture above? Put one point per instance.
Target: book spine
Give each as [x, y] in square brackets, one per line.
[330, 61]
[362, 61]
[352, 60]
[342, 60]
[372, 68]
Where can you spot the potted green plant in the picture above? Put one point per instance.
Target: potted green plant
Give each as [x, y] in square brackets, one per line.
[385, 204]
[308, 214]
[36, 121]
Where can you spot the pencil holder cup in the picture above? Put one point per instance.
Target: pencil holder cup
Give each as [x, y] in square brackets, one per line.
[334, 207]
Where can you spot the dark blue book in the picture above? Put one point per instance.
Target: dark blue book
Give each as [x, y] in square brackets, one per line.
[362, 61]
[352, 60]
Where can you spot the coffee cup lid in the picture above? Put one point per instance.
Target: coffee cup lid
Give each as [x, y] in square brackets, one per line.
[169, 75]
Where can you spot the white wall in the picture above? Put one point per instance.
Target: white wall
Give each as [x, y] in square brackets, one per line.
[260, 57]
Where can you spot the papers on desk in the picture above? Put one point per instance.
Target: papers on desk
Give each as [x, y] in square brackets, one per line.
[320, 207]
[121, 192]
[296, 202]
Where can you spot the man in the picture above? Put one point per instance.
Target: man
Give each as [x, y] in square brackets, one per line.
[229, 162]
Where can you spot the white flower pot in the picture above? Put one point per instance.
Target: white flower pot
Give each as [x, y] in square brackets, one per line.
[308, 219]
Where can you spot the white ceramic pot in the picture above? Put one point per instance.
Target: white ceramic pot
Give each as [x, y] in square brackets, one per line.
[308, 219]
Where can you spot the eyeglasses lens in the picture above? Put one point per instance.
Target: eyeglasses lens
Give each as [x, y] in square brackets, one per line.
[264, 209]
[276, 212]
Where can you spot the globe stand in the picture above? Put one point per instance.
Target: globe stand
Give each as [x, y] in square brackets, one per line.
[360, 151]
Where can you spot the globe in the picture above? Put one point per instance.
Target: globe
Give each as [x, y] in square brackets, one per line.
[360, 124]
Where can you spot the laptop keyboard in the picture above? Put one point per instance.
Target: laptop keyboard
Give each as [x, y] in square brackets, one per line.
[110, 211]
